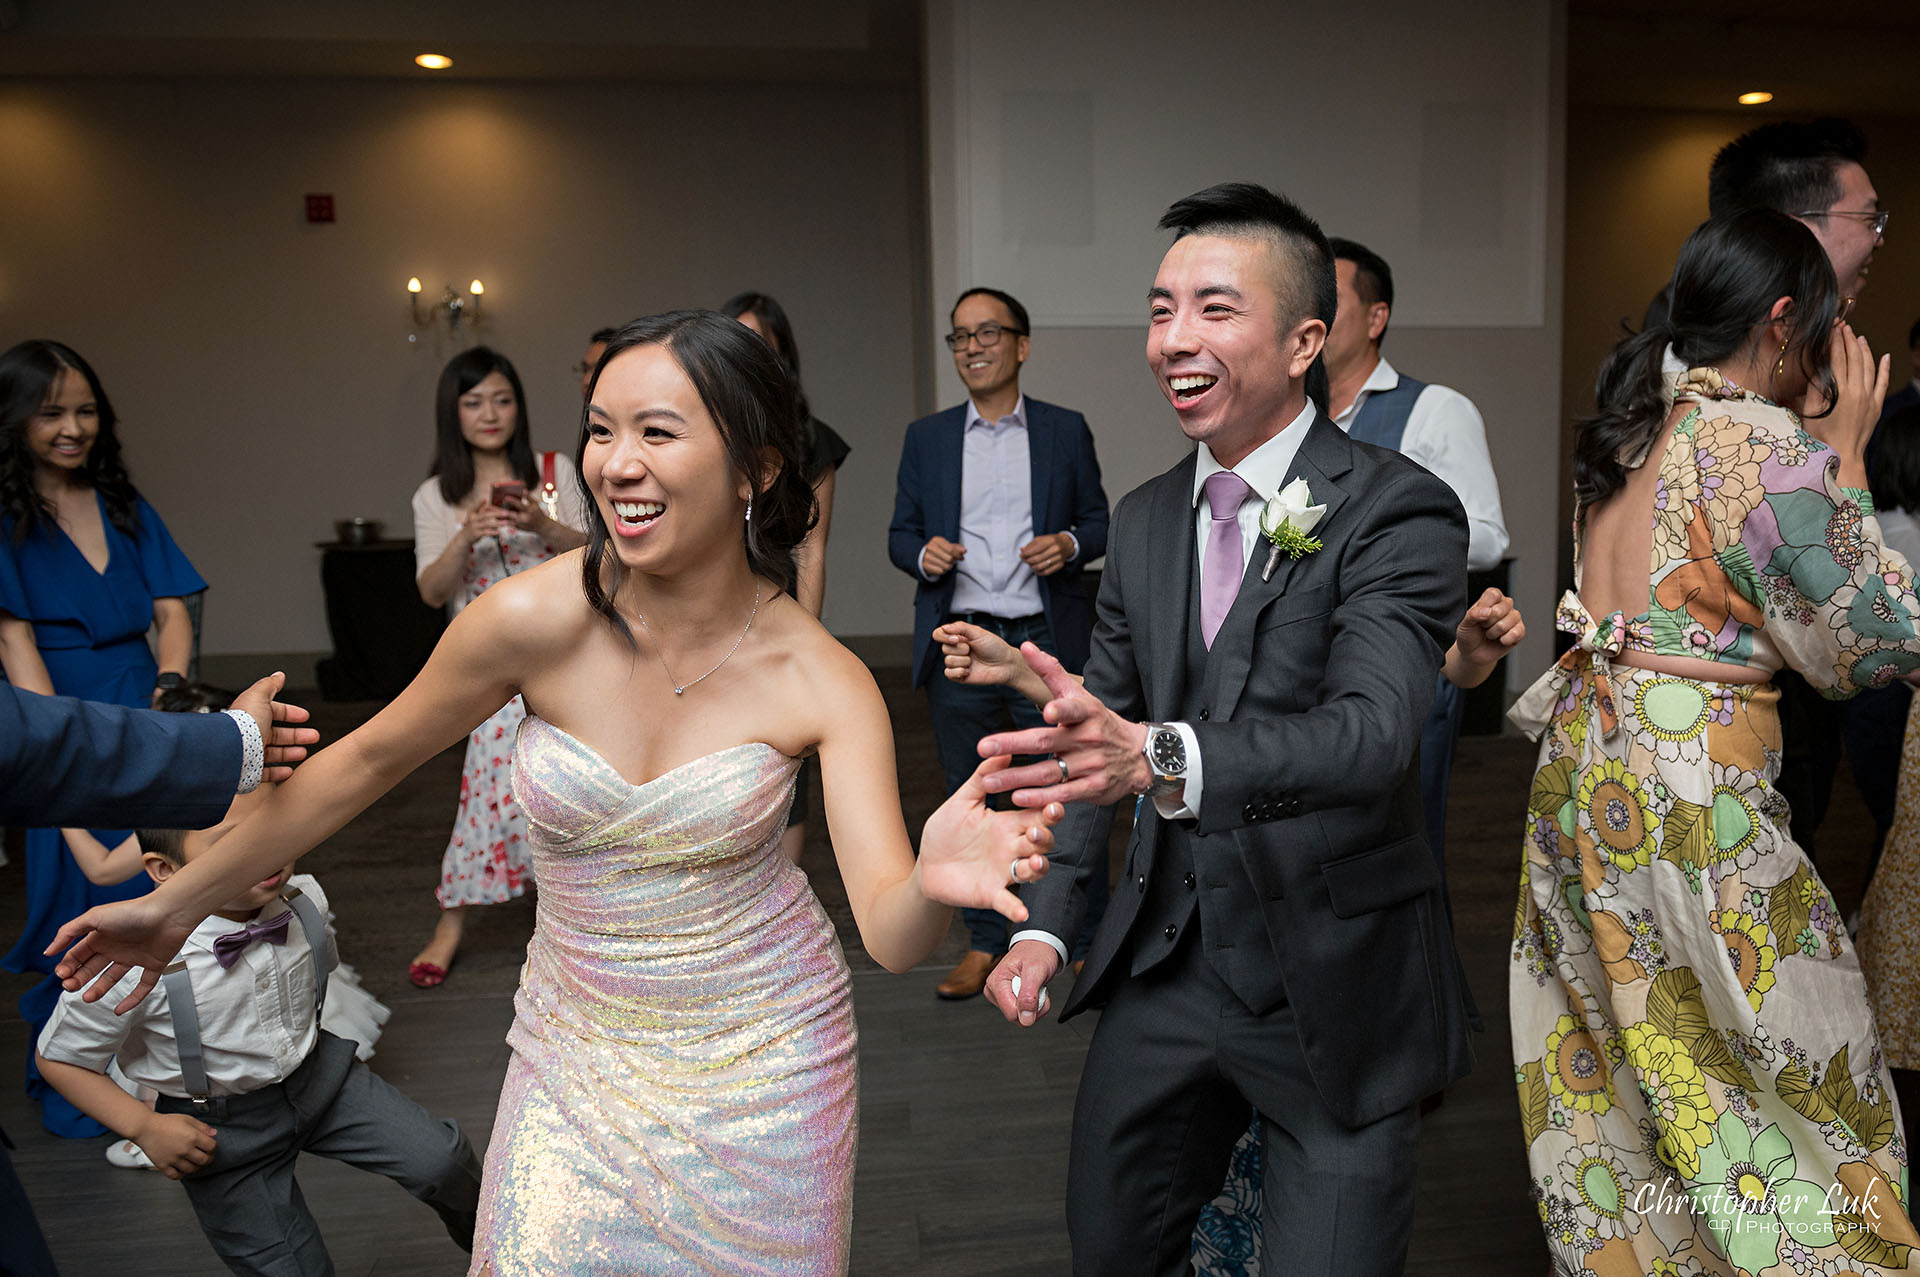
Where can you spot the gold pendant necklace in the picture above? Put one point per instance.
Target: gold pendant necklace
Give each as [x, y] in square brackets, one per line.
[679, 688]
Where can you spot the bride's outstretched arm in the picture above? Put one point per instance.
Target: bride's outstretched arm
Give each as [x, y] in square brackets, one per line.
[472, 673]
[902, 904]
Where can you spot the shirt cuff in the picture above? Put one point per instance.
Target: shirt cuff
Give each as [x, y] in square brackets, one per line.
[1073, 541]
[1048, 936]
[1186, 805]
[922, 565]
[253, 752]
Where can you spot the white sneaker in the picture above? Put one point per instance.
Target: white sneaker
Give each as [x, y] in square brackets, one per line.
[128, 1156]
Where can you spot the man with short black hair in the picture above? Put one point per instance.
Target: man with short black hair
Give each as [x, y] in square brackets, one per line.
[1434, 425]
[1279, 940]
[1813, 171]
[997, 512]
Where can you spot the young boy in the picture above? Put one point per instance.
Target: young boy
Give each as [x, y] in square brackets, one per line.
[247, 1078]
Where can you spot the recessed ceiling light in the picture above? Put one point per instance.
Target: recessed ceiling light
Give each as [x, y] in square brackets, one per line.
[434, 61]
[1755, 98]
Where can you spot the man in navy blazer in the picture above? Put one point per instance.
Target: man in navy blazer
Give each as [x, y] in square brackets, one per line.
[70, 762]
[997, 513]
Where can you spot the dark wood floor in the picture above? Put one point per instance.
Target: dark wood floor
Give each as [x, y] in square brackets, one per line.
[963, 1118]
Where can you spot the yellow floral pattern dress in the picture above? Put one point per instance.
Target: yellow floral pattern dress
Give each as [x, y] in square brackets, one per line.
[1701, 1087]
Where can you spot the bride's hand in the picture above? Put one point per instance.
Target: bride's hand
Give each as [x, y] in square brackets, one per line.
[110, 940]
[969, 855]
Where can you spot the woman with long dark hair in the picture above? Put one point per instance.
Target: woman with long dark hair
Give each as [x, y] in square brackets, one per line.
[683, 1088]
[489, 508]
[826, 451]
[1701, 1085]
[86, 569]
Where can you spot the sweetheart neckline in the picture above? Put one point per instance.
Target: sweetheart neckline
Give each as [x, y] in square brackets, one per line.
[607, 763]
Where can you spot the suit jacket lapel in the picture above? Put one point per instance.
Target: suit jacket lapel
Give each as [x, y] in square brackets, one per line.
[952, 448]
[1324, 456]
[1162, 647]
[1040, 457]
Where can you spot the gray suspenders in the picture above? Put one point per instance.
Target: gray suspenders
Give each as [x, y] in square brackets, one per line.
[186, 1020]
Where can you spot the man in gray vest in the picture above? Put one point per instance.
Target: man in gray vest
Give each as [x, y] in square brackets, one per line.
[1433, 425]
[1279, 941]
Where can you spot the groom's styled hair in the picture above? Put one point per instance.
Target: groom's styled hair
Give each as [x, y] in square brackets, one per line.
[1242, 208]
[1308, 289]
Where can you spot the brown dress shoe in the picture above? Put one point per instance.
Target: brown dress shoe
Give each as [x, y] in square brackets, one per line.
[967, 979]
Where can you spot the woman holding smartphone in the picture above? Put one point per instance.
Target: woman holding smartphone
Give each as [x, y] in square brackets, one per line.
[489, 509]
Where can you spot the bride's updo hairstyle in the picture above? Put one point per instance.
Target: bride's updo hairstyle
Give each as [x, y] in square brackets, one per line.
[1731, 271]
[755, 404]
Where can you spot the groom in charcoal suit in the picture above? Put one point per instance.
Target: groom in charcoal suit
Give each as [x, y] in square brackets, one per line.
[1278, 940]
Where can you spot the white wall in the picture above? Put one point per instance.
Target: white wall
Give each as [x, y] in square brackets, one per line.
[261, 366]
[1377, 118]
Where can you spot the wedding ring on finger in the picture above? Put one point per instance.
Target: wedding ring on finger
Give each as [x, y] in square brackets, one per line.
[1061, 763]
[1013, 871]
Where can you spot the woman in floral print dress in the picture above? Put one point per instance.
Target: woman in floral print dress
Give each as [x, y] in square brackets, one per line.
[1701, 1086]
[464, 539]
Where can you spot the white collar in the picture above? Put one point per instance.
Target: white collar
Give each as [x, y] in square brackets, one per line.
[1383, 377]
[1018, 415]
[1265, 468]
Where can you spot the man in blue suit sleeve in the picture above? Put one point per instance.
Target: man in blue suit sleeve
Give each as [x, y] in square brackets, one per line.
[997, 512]
[71, 762]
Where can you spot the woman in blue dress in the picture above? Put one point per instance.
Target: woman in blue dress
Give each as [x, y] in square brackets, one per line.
[86, 569]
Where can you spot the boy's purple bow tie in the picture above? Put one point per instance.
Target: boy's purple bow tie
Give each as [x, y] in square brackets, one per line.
[228, 948]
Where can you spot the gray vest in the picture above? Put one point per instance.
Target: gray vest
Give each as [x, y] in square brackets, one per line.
[1201, 882]
[1382, 419]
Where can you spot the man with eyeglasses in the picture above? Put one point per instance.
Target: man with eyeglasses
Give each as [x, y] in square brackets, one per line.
[996, 514]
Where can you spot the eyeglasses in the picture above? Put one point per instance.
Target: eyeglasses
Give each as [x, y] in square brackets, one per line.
[1876, 218]
[987, 334]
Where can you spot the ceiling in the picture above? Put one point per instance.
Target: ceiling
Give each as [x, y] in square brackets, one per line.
[1855, 57]
[726, 40]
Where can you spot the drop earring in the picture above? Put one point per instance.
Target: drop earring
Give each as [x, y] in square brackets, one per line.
[749, 510]
[1780, 364]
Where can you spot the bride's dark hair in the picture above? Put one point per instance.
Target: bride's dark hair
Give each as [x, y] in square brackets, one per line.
[755, 404]
[1730, 272]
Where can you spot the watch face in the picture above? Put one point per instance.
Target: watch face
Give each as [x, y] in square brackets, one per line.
[1169, 752]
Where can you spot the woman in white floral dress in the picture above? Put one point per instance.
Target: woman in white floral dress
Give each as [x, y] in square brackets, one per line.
[489, 509]
[1700, 1082]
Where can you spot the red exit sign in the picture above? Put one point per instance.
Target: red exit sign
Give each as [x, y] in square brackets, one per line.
[319, 208]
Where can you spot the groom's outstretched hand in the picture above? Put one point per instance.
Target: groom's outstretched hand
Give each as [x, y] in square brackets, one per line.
[1030, 964]
[1102, 750]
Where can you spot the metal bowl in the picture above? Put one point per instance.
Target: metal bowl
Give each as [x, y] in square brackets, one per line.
[356, 531]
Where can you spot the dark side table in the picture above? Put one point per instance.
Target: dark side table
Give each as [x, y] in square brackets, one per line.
[382, 633]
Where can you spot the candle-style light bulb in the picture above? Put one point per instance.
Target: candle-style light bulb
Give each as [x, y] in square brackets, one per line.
[413, 285]
[476, 288]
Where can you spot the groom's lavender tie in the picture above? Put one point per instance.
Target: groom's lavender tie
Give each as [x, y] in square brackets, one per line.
[1226, 560]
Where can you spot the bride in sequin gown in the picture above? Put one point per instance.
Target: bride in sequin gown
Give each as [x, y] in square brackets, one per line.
[682, 1091]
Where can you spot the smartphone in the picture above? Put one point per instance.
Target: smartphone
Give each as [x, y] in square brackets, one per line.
[506, 488]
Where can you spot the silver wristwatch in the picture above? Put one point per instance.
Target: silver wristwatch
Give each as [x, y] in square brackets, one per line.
[1166, 754]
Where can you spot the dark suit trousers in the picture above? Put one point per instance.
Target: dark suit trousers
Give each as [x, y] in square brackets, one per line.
[250, 1206]
[1174, 1063]
[961, 716]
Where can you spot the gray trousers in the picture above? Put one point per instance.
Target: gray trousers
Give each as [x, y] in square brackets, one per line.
[250, 1206]
[1175, 1063]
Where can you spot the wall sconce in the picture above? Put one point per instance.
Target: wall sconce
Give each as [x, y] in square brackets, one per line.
[453, 307]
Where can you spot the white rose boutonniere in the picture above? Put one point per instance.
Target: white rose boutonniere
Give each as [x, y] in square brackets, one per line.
[1286, 520]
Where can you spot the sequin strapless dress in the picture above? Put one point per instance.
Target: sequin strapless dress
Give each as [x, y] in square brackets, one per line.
[681, 1097]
